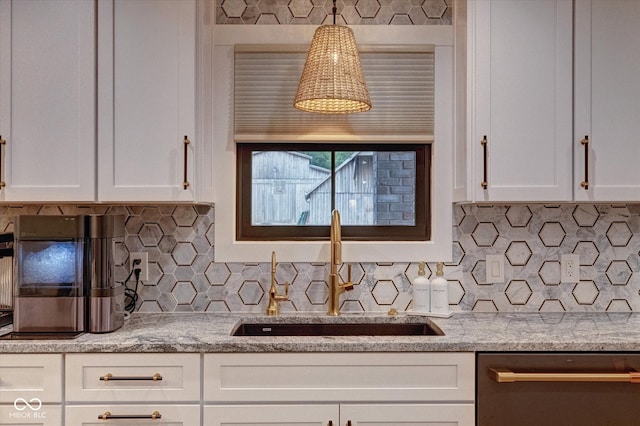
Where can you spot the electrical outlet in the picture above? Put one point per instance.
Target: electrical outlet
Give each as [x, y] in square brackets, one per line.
[495, 268]
[570, 268]
[144, 264]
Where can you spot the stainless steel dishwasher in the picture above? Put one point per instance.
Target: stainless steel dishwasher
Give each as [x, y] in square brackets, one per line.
[563, 389]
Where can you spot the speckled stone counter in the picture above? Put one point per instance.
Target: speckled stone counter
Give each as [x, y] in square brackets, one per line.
[199, 332]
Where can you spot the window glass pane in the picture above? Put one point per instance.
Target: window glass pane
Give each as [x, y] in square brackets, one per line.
[297, 188]
[377, 188]
[280, 184]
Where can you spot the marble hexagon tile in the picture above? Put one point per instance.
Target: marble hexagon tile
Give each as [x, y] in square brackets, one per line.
[350, 12]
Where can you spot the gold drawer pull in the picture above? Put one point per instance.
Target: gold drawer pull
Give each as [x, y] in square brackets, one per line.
[502, 375]
[185, 181]
[585, 143]
[484, 184]
[110, 377]
[108, 416]
[3, 143]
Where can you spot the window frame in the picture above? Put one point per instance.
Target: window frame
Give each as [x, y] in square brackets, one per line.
[448, 177]
[420, 231]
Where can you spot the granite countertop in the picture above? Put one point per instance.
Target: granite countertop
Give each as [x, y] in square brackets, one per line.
[464, 331]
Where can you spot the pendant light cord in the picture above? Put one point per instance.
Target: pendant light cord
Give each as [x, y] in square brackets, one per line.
[335, 10]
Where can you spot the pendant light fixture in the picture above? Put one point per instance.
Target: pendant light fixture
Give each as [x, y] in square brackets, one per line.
[332, 81]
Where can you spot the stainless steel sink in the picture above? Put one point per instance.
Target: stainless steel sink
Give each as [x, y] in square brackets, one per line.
[337, 329]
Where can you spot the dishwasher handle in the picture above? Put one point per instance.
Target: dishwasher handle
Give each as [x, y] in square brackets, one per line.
[503, 375]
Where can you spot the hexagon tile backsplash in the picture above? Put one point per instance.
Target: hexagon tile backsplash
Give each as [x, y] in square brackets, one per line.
[184, 277]
[349, 12]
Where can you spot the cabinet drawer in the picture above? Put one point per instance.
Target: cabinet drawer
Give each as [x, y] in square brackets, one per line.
[129, 377]
[408, 414]
[166, 414]
[30, 376]
[273, 414]
[342, 377]
[33, 414]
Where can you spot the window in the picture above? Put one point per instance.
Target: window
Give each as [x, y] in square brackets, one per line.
[271, 123]
[287, 191]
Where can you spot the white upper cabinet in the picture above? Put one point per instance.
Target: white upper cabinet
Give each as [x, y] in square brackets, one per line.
[607, 96]
[47, 100]
[146, 100]
[520, 83]
[555, 91]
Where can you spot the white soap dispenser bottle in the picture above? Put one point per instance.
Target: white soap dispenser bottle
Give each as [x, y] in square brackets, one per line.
[439, 292]
[421, 291]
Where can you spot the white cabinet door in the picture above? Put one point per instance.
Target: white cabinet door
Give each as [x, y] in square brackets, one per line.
[280, 414]
[47, 100]
[408, 414]
[607, 92]
[343, 414]
[146, 95]
[25, 377]
[521, 93]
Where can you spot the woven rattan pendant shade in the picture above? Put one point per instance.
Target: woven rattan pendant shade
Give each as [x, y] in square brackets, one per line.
[332, 81]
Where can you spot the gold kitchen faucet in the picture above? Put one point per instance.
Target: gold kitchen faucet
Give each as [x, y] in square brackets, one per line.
[274, 298]
[336, 288]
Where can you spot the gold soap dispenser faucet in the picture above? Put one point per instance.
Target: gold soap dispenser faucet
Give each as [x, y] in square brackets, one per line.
[274, 298]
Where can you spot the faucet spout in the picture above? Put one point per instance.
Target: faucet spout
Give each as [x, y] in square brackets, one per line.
[336, 288]
[274, 307]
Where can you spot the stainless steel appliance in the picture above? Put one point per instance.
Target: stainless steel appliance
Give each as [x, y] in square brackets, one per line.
[106, 297]
[6, 278]
[562, 389]
[64, 280]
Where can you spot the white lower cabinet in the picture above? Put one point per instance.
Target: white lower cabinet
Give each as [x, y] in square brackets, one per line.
[140, 389]
[339, 389]
[339, 414]
[108, 377]
[408, 414]
[33, 415]
[119, 414]
[31, 389]
[270, 414]
[242, 389]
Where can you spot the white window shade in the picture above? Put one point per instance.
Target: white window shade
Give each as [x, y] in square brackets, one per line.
[400, 83]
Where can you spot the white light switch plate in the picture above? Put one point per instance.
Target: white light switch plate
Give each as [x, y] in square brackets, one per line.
[495, 268]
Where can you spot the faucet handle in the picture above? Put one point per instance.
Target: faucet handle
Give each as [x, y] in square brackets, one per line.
[349, 284]
[285, 296]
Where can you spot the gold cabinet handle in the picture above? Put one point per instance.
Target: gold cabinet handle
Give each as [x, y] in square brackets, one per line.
[3, 143]
[502, 375]
[185, 181]
[110, 377]
[585, 143]
[108, 416]
[484, 184]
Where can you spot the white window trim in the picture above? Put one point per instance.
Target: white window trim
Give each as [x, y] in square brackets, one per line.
[227, 249]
